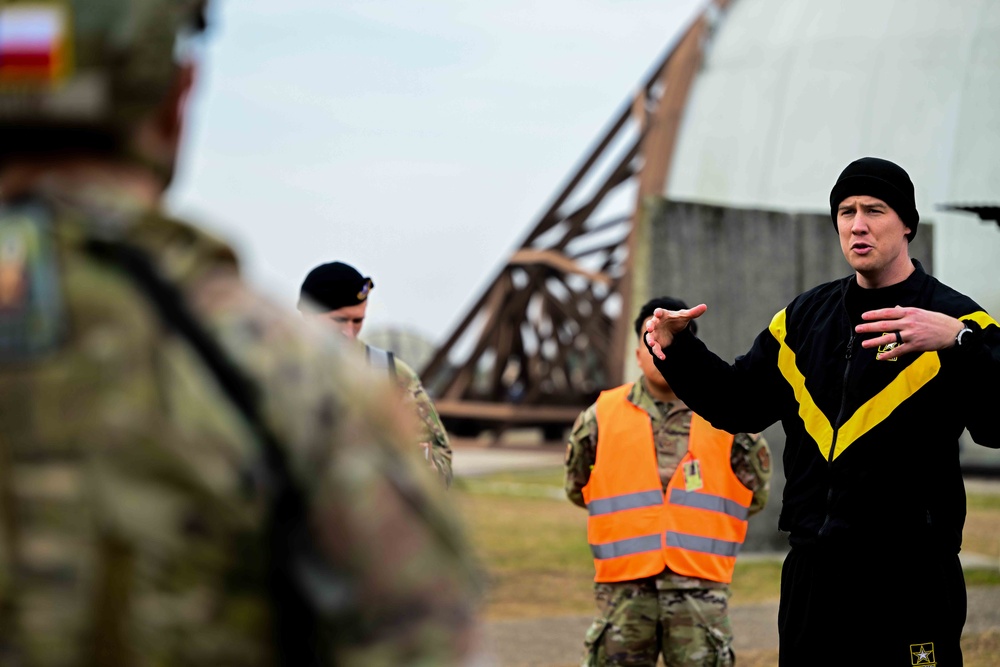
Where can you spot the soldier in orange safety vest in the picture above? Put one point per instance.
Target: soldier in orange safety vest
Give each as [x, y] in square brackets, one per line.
[668, 498]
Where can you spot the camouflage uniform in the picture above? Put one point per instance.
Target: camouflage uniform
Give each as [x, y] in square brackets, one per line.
[432, 436]
[683, 617]
[133, 496]
[137, 489]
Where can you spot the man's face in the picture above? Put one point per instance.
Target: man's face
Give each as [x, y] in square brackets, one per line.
[346, 320]
[873, 239]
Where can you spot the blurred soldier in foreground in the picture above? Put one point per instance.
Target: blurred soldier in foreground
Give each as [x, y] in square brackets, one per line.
[188, 475]
[668, 498]
[336, 294]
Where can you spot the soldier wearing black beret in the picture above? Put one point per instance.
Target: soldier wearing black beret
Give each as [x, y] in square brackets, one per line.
[337, 294]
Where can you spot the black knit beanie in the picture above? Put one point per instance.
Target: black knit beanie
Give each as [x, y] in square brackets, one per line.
[333, 286]
[883, 180]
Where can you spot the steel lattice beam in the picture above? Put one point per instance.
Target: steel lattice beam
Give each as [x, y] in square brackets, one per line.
[551, 329]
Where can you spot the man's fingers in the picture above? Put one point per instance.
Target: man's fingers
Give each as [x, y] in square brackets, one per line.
[893, 313]
[881, 326]
[661, 315]
[655, 347]
[888, 355]
[878, 341]
[696, 312]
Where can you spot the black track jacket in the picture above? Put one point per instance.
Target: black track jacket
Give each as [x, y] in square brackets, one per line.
[871, 451]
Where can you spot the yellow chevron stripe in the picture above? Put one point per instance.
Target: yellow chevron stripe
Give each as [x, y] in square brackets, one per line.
[873, 412]
[981, 318]
[817, 425]
[877, 408]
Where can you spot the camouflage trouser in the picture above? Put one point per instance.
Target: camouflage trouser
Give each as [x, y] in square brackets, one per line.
[636, 622]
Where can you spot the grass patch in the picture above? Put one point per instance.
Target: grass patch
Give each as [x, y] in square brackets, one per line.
[545, 483]
[984, 501]
[982, 577]
[534, 551]
[532, 543]
[756, 581]
[982, 525]
[549, 477]
[982, 649]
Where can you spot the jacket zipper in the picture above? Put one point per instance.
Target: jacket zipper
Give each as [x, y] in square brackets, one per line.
[836, 431]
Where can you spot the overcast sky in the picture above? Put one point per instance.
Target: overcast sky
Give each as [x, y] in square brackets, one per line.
[417, 141]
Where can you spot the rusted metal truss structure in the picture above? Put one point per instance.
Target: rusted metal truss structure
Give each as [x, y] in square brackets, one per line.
[551, 329]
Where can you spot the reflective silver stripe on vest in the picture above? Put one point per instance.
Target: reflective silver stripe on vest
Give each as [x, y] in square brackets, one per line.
[633, 545]
[706, 501]
[703, 544]
[627, 501]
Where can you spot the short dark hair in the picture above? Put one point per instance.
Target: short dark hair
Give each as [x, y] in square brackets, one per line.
[665, 302]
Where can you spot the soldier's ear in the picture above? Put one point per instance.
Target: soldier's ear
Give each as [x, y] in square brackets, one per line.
[174, 108]
[159, 137]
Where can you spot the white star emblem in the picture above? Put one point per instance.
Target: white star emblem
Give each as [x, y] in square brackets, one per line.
[922, 655]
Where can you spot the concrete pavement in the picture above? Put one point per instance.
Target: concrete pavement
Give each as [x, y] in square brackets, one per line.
[472, 459]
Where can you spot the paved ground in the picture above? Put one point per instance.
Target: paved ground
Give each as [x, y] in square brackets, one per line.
[545, 642]
[557, 641]
[472, 458]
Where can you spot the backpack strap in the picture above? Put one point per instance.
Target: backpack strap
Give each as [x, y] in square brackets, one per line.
[294, 561]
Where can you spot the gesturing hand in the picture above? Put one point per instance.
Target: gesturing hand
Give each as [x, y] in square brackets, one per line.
[661, 327]
[914, 329]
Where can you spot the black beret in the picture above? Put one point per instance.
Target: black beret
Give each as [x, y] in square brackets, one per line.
[333, 286]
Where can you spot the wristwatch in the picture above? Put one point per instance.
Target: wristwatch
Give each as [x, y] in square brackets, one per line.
[966, 337]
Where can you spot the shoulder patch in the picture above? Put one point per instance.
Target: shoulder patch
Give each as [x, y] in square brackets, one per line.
[763, 459]
[31, 300]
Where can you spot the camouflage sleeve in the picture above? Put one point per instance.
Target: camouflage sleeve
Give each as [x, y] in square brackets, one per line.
[581, 454]
[376, 516]
[751, 463]
[434, 437]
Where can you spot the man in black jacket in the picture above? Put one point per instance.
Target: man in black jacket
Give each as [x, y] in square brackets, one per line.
[874, 378]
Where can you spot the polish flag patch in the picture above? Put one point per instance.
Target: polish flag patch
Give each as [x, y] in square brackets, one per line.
[34, 43]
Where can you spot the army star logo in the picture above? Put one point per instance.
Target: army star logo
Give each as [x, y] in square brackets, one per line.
[886, 348]
[922, 654]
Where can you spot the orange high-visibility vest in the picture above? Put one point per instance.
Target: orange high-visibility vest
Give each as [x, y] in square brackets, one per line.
[635, 530]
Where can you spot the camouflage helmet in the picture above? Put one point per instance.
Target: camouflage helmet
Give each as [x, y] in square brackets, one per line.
[84, 72]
